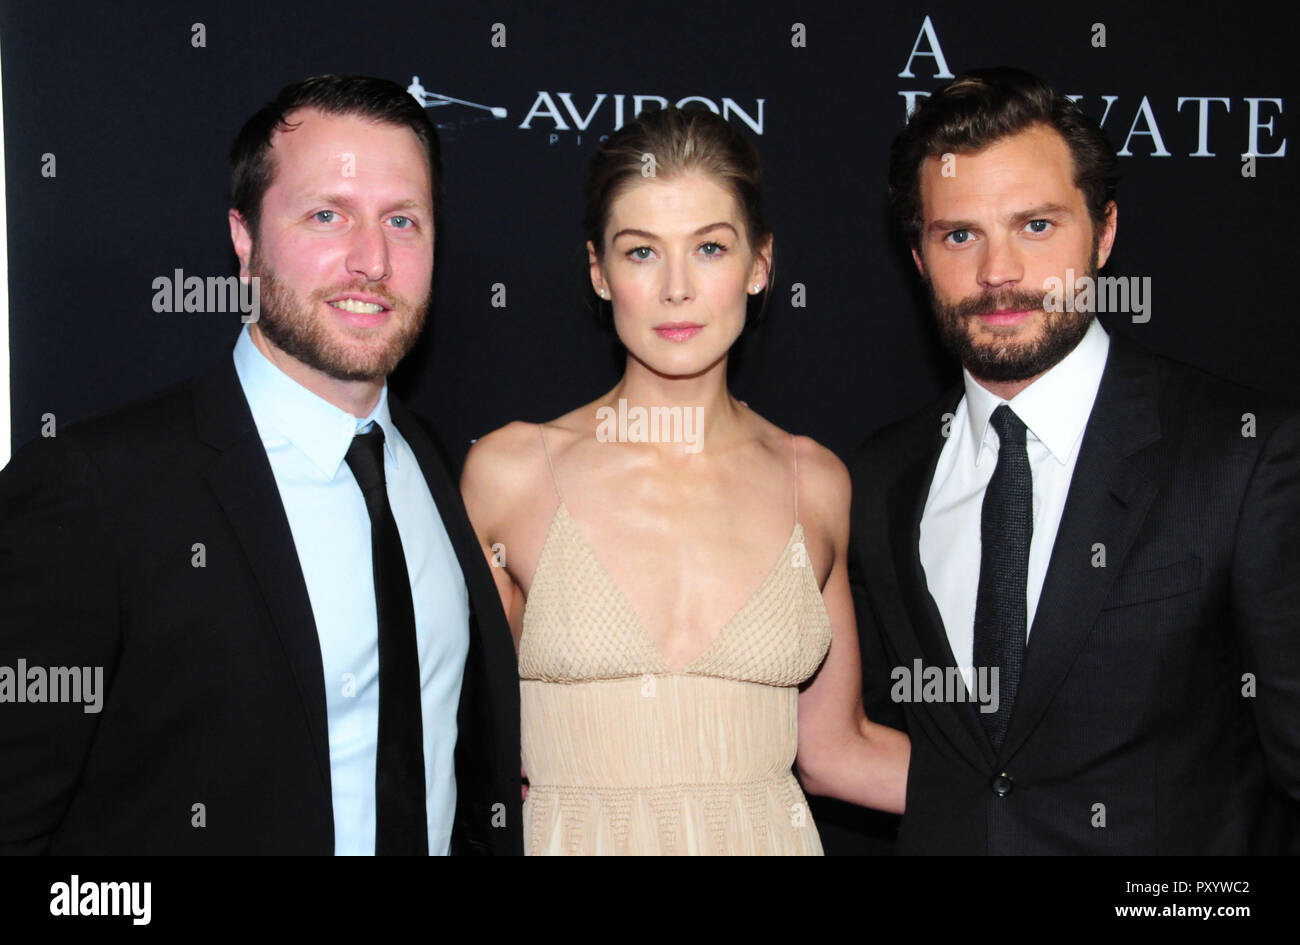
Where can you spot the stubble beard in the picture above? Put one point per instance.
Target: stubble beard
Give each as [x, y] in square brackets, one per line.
[295, 329]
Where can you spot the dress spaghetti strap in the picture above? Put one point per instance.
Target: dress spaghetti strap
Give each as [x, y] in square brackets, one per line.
[549, 465]
[795, 444]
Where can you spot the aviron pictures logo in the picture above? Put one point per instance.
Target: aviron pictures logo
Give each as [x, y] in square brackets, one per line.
[561, 117]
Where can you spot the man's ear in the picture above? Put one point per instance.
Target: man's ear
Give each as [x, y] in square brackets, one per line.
[916, 258]
[242, 240]
[1106, 241]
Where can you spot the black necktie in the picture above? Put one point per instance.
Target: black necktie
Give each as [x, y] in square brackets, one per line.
[1006, 525]
[400, 823]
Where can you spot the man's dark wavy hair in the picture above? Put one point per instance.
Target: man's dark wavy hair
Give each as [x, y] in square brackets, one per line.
[980, 108]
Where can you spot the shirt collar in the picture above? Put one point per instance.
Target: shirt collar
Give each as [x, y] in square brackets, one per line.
[317, 428]
[1055, 407]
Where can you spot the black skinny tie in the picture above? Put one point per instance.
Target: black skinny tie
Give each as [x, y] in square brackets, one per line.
[1006, 526]
[401, 827]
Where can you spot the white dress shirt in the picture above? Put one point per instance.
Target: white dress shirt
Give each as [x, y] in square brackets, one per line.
[1055, 409]
[306, 439]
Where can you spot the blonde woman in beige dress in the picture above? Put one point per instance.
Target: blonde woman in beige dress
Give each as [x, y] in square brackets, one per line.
[679, 595]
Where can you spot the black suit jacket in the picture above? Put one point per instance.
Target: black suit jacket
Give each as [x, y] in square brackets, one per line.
[215, 688]
[1131, 696]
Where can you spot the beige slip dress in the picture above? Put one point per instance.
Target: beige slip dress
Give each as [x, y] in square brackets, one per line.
[624, 755]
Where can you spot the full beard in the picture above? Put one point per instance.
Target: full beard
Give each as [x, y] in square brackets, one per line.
[1009, 360]
[296, 330]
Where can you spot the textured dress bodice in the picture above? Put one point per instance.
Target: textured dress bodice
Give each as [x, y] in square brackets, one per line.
[625, 754]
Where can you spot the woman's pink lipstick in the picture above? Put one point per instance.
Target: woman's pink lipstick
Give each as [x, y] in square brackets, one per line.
[677, 331]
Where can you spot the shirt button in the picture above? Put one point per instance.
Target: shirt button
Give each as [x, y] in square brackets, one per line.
[1002, 784]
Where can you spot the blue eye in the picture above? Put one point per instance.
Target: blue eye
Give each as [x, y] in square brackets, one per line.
[964, 234]
[718, 248]
[1033, 225]
[403, 223]
[640, 253]
[323, 213]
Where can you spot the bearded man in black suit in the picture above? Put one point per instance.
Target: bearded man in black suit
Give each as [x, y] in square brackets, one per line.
[269, 565]
[1077, 574]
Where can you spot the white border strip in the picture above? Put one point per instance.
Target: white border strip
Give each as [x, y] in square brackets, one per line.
[5, 404]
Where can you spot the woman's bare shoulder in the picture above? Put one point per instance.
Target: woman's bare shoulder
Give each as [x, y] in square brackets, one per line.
[495, 455]
[568, 429]
[501, 470]
[824, 491]
[820, 470]
[510, 461]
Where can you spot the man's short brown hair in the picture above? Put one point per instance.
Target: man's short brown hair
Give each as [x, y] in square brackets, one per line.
[978, 109]
[379, 100]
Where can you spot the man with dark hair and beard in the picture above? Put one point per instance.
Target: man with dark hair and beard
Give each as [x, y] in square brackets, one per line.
[302, 644]
[1077, 574]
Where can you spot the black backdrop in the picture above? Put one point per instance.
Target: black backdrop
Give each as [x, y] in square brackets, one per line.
[139, 118]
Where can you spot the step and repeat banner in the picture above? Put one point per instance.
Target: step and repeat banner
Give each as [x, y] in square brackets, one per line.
[117, 122]
[118, 118]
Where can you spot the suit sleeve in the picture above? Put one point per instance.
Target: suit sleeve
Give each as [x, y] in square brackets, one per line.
[876, 661]
[58, 608]
[1266, 599]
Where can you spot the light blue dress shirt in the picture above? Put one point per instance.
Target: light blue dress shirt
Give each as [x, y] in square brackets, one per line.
[306, 439]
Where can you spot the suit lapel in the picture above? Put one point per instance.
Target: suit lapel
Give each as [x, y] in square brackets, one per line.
[487, 619]
[244, 486]
[1106, 505]
[906, 502]
[487, 748]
